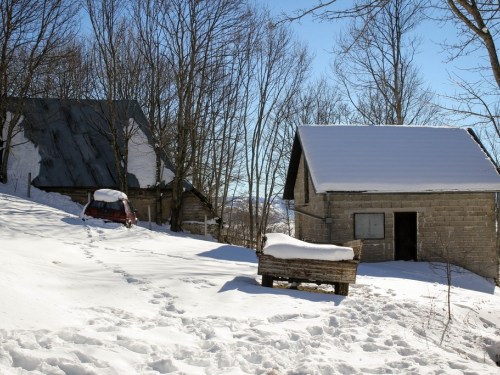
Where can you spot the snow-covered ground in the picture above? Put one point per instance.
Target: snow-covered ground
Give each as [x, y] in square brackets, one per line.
[92, 298]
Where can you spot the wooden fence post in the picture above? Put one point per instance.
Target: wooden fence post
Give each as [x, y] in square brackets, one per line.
[149, 216]
[205, 237]
[29, 185]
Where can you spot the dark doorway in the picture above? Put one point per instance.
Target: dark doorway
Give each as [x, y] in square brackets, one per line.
[405, 236]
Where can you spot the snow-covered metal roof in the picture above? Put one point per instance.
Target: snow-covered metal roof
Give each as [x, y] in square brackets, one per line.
[409, 159]
[75, 152]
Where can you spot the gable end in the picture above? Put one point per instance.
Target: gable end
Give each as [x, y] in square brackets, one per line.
[293, 168]
[478, 141]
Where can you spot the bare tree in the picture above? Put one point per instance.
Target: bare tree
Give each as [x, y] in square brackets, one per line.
[477, 24]
[330, 10]
[446, 263]
[477, 28]
[223, 155]
[206, 57]
[280, 67]
[30, 35]
[321, 103]
[376, 69]
[195, 34]
[156, 94]
[116, 71]
[476, 99]
[68, 76]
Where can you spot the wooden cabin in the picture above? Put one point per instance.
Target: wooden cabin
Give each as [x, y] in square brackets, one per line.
[63, 143]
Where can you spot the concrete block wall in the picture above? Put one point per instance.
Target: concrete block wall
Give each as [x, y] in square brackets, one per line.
[463, 228]
[460, 227]
[308, 228]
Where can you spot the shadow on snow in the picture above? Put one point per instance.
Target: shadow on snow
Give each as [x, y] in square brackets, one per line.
[231, 253]
[250, 286]
[427, 272]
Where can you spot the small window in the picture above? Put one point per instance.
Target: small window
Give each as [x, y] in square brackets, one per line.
[368, 226]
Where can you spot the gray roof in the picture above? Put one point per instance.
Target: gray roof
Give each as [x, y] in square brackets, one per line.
[392, 159]
[74, 153]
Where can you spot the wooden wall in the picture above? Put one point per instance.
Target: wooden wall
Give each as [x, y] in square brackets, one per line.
[194, 209]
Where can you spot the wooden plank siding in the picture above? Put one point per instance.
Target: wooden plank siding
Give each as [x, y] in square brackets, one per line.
[311, 270]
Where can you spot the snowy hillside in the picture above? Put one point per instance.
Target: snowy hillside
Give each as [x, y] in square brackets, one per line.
[93, 298]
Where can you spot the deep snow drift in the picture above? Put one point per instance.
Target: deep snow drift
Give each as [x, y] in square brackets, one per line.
[93, 298]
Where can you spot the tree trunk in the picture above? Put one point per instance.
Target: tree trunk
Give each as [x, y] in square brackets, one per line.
[158, 197]
[177, 192]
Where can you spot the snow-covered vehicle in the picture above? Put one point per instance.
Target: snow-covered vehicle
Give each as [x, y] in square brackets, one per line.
[284, 258]
[111, 205]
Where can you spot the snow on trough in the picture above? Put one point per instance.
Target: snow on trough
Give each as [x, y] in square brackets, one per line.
[285, 247]
[93, 298]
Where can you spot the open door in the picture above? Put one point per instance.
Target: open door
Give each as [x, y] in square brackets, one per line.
[405, 236]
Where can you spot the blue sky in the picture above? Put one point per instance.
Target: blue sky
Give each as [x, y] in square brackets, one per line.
[321, 36]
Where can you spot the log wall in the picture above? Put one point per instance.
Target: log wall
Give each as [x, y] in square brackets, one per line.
[193, 210]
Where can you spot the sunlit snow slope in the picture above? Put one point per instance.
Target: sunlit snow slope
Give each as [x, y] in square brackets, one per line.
[92, 298]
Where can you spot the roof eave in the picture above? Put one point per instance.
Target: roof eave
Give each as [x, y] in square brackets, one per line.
[341, 192]
[478, 141]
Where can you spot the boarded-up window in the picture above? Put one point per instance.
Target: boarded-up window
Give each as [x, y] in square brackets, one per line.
[368, 226]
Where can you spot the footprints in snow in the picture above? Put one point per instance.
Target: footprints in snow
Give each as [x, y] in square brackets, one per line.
[198, 283]
[158, 296]
[24, 350]
[220, 343]
[129, 278]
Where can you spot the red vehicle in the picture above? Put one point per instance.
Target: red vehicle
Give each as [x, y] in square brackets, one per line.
[111, 205]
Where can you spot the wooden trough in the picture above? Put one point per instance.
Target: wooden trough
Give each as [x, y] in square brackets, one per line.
[338, 273]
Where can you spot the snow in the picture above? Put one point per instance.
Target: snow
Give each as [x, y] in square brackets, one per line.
[142, 160]
[285, 247]
[24, 156]
[395, 159]
[109, 195]
[94, 298]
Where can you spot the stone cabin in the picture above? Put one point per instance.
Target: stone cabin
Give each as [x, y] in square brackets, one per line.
[62, 142]
[410, 192]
